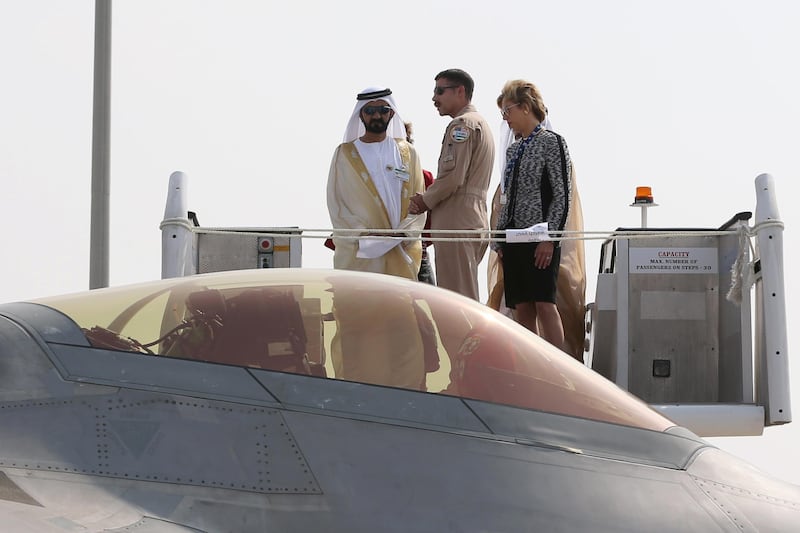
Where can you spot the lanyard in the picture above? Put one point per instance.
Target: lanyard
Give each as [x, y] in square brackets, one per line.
[509, 171]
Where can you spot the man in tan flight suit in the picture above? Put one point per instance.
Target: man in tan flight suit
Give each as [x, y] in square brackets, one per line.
[457, 198]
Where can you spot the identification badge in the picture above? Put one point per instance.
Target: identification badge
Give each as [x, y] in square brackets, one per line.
[503, 199]
[399, 173]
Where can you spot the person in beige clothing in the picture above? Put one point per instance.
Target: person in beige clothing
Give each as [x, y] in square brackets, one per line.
[457, 198]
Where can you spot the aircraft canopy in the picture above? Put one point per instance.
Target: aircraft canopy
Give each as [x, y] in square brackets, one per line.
[354, 326]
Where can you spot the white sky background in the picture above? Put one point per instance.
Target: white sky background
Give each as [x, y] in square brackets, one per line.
[250, 98]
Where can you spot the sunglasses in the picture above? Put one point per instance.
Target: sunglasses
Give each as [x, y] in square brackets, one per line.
[440, 89]
[372, 109]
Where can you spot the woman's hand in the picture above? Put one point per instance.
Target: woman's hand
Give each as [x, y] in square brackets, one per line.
[543, 254]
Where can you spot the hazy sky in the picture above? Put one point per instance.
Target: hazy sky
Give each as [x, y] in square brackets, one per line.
[250, 98]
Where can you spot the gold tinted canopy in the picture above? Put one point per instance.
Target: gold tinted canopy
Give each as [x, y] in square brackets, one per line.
[354, 326]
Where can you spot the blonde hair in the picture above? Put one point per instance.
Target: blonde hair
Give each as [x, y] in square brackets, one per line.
[525, 94]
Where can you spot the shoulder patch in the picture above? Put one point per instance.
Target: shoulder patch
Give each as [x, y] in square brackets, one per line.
[459, 134]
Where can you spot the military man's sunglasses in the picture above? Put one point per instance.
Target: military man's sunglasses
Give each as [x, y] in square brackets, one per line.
[440, 89]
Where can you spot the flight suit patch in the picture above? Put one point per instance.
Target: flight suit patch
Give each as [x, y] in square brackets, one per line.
[459, 134]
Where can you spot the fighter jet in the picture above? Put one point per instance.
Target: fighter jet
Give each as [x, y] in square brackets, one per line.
[299, 400]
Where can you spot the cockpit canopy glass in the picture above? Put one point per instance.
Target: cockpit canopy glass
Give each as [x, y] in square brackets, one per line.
[352, 326]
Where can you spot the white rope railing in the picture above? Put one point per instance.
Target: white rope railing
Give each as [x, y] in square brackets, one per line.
[482, 235]
[742, 271]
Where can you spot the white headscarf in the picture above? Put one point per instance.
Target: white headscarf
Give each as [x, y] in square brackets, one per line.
[355, 128]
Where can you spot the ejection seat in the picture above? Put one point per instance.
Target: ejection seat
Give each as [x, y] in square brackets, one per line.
[260, 327]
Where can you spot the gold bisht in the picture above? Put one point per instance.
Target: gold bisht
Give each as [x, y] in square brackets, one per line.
[354, 203]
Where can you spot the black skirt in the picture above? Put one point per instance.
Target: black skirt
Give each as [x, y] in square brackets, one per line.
[523, 281]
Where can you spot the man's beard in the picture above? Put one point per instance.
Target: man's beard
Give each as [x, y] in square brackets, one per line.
[376, 126]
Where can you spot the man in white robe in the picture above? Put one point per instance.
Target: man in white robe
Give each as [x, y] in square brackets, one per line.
[373, 174]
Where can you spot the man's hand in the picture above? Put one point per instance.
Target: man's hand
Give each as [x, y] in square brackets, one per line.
[417, 205]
